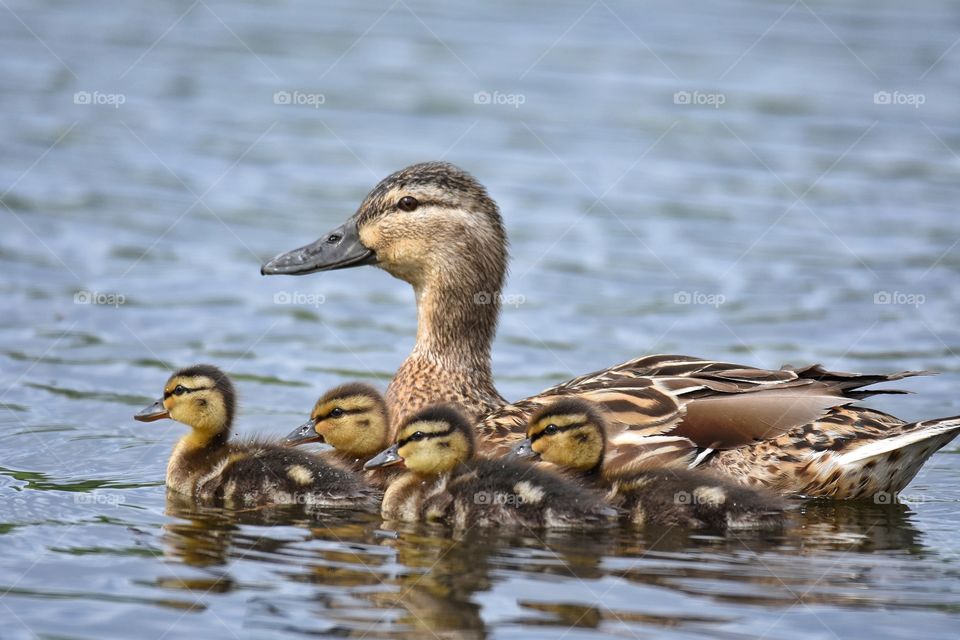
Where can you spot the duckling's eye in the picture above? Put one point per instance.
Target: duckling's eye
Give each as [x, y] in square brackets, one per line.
[179, 390]
[417, 437]
[336, 413]
[408, 203]
[550, 430]
[333, 238]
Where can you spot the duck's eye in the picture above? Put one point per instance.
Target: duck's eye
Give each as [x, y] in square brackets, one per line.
[333, 238]
[336, 413]
[179, 390]
[550, 430]
[417, 437]
[408, 203]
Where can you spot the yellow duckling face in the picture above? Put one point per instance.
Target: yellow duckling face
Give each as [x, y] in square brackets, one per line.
[200, 396]
[413, 223]
[569, 433]
[352, 418]
[431, 442]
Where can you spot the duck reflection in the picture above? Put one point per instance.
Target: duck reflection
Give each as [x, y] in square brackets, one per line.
[374, 579]
[836, 540]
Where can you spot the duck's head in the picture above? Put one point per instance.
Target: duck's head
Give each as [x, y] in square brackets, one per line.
[431, 442]
[351, 418]
[569, 433]
[419, 222]
[201, 397]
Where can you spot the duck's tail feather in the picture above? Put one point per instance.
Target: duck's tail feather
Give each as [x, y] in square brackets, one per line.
[886, 466]
[851, 384]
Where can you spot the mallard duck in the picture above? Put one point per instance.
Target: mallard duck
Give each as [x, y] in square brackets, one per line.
[434, 226]
[207, 466]
[354, 420]
[447, 482]
[571, 433]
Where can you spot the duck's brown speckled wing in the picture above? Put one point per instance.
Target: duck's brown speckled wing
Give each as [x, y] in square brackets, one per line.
[713, 404]
[851, 453]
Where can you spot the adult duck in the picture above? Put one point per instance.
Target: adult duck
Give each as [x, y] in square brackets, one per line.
[434, 226]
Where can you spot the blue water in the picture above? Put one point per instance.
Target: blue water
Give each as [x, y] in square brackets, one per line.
[789, 168]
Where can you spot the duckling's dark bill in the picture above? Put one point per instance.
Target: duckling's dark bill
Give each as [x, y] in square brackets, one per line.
[525, 450]
[339, 249]
[303, 434]
[385, 458]
[156, 411]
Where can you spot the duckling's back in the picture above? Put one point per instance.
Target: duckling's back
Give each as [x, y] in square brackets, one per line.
[505, 492]
[695, 499]
[261, 473]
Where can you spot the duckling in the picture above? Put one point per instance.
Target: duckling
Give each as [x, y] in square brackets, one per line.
[208, 467]
[353, 419]
[436, 227]
[447, 482]
[571, 433]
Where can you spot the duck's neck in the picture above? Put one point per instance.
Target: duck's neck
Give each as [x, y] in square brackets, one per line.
[457, 315]
[456, 325]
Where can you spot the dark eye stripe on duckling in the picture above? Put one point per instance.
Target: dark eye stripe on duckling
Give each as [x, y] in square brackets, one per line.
[344, 412]
[423, 435]
[568, 427]
[167, 394]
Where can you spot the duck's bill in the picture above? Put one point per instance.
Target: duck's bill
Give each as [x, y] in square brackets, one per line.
[339, 249]
[525, 450]
[385, 458]
[303, 434]
[156, 411]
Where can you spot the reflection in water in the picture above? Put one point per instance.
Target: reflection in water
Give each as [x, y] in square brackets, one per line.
[375, 579]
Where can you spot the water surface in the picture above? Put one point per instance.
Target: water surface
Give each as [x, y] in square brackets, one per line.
[147, 169]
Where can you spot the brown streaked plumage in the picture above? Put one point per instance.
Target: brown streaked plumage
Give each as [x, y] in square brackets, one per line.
[447, 482]
[434, 226]
[571, 433]
[207, 466]
[353, 419]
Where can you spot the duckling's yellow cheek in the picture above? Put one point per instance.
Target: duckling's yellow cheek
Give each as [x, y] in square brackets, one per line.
[542, 448]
